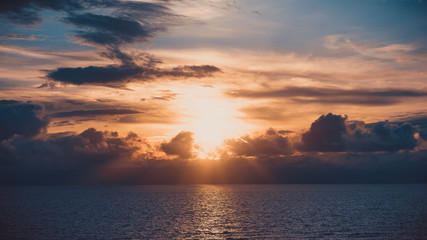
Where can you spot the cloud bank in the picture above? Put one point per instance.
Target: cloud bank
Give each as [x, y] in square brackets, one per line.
[332, 133]
[332, 150]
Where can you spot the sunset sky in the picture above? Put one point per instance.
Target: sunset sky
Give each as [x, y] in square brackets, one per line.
[190, 91]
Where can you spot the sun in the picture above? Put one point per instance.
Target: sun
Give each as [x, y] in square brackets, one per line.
[212, 118]
[211, 123]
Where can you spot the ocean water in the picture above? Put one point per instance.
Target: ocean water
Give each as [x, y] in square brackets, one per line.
[214, 212]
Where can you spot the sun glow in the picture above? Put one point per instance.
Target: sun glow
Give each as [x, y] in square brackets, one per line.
[212, 119]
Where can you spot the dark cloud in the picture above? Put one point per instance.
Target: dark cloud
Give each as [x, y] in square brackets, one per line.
[20, 118]
[380, 136]
[95, 157]
[326, 134]
[368, 155]
[95, 75]
[73, 102]
[422, 124]
[332, 133]
[109, 25]
[334, 95]
[119, 75]
[27, 11]
[109, 30]
[181, 145]
[143, 59]
[92, 113]
[270, 143]
[123, 22]
[77, 156]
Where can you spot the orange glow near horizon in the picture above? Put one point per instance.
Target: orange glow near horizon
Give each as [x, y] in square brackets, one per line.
[212, 118]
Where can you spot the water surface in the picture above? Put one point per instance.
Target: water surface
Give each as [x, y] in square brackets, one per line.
[214, 211]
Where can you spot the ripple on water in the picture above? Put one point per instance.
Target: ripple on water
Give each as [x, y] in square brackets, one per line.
[214, 211]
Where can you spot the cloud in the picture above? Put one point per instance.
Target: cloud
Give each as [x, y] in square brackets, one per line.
[270, 143]
[326, 134]
[97, 161]
[421, 123]
[66, 157]
[381, 136]
[334, 95]
[181, 145]
[17, 36]
[92, 113]
[78, 110]
[198, 71]
[109, 25]
[119, 75]
[333, 133]
[21, 118]
[108, 30]
[27, 11]
[96, 157]
[91, 147]
[92, 75]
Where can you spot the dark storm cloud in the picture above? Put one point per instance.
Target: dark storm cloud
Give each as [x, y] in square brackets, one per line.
[20, 118]
[92, 113]
[114, 75]
[334, 95]
[271, 142]
[332, 133]
[181, 145]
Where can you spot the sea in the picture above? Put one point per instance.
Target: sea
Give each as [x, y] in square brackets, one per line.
[214, 212]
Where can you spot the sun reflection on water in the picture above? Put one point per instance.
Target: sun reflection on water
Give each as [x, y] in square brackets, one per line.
[212, 210]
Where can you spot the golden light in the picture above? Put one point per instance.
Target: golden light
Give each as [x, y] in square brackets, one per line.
[212, 118]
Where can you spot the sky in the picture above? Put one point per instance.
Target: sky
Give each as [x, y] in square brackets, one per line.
[213, 91]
